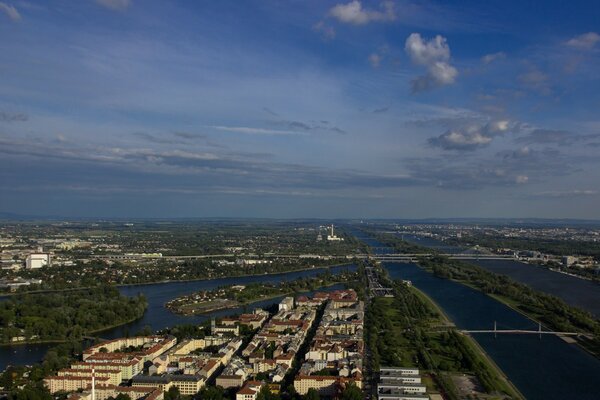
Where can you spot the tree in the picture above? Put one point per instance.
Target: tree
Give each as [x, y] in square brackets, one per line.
[172, 393]
[312, 394]
[352, 392]
[212, 393]
[265, 394]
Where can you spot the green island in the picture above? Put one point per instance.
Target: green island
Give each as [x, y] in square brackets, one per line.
[233, 296]
[66, 316]
[409, 330]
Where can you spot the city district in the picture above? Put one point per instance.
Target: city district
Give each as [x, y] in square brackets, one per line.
[327, 329]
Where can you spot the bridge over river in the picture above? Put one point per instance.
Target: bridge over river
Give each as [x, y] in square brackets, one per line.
[399, 257]
[539, 331]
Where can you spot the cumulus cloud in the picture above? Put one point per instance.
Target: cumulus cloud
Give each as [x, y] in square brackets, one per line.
[116, 5]
[10, 11]
[586, 41]
[470, 137]
[354, 13]
[490, 58]
[434, 55]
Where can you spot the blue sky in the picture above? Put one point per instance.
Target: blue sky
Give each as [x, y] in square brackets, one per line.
[129, 108]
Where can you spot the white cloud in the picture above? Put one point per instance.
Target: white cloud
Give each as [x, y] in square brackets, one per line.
[443, 72]
[117, 5]
[586, 41]
[426, 53]
[470, 137]
[465, 139]
[354, 13]
[435, 56]
[490, 58]
[497, 127]
[10, 11]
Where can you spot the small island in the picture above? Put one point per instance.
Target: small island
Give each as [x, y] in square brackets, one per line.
[62, 316]
[233, 296]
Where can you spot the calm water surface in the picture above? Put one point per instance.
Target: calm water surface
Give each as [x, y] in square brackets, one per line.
[574, 291]
[546, 368]
[158, 317]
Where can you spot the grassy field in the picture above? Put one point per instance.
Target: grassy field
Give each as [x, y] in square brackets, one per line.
[410, 330]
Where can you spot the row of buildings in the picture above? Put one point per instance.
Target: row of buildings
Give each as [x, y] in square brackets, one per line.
[335, 356]
[400, 384]
[147, 366]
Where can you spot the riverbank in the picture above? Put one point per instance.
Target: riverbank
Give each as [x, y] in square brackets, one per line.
[69, 315]
[483, 356]
[446, 320]
[58, 341]
[551, 312]
[126, 285]
[411, 330]
[227, 303]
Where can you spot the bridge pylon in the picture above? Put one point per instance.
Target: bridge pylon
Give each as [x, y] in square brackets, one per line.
[495, 331]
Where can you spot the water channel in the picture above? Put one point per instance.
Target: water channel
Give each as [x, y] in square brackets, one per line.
[158, 317]
[574, 291]
[546, 368]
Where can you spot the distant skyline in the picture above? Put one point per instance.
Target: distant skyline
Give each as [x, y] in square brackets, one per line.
[299, 109]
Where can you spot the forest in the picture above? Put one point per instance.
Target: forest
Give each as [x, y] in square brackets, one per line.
[66, 315]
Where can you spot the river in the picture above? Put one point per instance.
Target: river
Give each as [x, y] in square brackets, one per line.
[574, 291]
[158, 317]
[546, 368]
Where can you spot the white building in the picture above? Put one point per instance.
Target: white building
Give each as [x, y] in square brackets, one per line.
[332, 237]
[37, 260]
[286, 304]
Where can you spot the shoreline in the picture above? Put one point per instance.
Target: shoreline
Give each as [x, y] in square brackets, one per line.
[85, 335]
[436, 307]
[252, 301]
[119, 285]
[506, 302]
[91, 333]
[473, 341]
